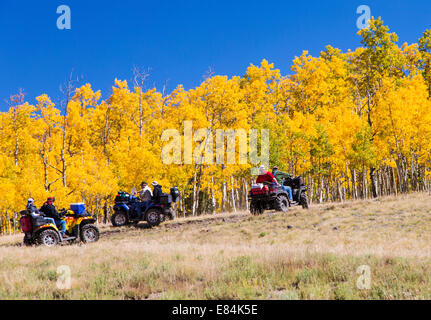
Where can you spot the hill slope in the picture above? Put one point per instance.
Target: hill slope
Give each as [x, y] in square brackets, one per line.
[302, 254]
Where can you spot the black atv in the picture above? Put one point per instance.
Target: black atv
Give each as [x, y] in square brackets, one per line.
[267, 196]
[299, 191]
[126, 209]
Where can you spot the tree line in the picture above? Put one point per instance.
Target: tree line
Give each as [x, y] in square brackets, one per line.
[355, 124]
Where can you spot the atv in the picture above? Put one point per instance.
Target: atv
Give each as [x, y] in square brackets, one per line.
[126, 209]
[267, 196]
[41, 231]
[299, 191]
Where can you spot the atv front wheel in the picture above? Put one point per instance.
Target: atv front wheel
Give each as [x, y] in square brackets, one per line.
[153, 217]
[48, 238]
[119, 219]
[281, 203]
[303, 200]
[89, 233]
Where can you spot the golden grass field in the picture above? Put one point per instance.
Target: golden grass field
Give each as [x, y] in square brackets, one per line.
[303, 254]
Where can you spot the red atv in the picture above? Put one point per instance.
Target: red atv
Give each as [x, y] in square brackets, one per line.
[267, 196]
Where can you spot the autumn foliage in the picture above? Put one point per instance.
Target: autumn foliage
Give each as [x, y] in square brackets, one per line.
[354, 124]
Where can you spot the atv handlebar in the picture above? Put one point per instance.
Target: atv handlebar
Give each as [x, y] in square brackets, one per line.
[62, 212]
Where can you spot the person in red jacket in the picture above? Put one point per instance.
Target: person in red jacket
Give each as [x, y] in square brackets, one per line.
[265, 176]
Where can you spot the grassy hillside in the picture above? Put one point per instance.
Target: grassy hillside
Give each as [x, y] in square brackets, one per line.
[310, 254]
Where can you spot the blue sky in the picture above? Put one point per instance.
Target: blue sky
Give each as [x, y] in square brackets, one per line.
[178, 40]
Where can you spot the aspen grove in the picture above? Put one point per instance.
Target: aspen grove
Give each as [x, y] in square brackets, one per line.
[355, 124]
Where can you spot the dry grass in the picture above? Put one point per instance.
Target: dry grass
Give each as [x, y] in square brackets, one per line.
[310, 254]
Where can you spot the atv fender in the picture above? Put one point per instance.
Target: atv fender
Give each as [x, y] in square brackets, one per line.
[85, 220]
[46, 227]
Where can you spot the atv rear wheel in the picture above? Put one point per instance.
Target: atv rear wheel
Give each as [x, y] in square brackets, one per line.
[256, 208]
[49, 238]
[89, 233]
[153, 217]
[281, 203]
[303, 200]
[119, 219]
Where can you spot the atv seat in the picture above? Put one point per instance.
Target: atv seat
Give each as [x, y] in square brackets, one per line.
[165, 199]
[40, 221]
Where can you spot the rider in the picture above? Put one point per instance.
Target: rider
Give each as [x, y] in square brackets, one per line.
[265, 176]
[34, 212]
[157, 191]
[145, 196]
[31, 207]
[50, 211]
[280, 176]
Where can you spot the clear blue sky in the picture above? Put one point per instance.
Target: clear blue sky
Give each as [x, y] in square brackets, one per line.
[178, 40]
